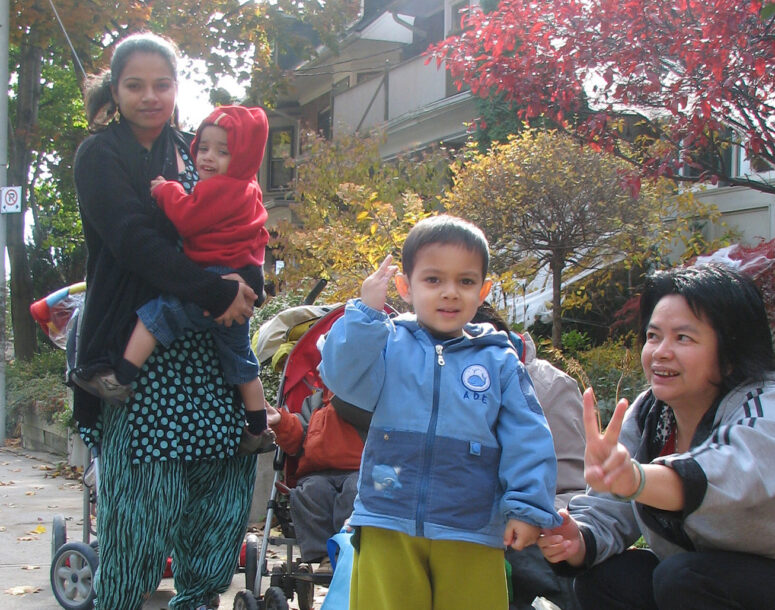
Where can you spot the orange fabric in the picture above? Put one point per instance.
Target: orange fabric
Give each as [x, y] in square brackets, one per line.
[330, 443]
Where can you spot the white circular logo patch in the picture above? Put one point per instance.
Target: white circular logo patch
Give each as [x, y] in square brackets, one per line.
[476, 378]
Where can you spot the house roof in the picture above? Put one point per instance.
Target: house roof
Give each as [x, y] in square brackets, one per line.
[414, 8]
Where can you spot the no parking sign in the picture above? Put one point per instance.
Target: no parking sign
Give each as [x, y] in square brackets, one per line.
[10, 199]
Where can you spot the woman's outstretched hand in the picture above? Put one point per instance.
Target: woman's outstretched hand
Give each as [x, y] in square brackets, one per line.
[607, 465]
[564, 542]
[374, 288]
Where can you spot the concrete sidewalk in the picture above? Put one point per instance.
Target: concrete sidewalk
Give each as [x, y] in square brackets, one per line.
[33, 490]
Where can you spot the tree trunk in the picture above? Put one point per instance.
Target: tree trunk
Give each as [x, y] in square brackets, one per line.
[557, 264]
[28, 101]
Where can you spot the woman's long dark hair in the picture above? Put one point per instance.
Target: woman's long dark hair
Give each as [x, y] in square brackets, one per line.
[732, 304]
[100, 106]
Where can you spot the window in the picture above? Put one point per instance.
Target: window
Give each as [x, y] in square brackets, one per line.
[717, 154]
[280, 148]
[324, 123]
[362, 77]
[456, 16]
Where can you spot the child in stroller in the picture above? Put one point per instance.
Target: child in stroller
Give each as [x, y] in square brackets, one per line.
[327, 440]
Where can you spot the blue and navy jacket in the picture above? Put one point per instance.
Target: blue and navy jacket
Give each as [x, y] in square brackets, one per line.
[458, 443]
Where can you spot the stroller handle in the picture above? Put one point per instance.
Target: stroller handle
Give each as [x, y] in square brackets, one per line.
[315, 292]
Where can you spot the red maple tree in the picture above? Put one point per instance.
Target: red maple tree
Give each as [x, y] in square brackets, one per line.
[670, 85]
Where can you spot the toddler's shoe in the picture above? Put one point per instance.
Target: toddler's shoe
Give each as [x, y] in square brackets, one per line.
[252, 443]
[106, 386]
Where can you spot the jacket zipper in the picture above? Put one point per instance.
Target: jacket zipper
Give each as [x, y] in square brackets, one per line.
[429, 438]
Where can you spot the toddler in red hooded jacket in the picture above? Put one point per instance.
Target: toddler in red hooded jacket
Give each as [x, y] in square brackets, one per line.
[222, 226]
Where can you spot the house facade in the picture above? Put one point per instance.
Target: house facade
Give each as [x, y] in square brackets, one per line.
[379, 78]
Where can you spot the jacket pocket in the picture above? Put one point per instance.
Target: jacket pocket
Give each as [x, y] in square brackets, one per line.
[390, 472]
[464, 491]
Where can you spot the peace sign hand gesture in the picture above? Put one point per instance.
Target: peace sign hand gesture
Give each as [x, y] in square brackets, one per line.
[607, 465]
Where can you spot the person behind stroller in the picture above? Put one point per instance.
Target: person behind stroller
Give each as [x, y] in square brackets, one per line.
[327, 436]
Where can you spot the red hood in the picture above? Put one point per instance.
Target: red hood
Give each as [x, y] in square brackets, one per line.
[247, 130]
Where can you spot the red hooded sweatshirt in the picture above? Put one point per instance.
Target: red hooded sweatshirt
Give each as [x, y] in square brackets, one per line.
[222, 221]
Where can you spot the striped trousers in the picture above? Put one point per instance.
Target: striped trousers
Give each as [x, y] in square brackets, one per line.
[194, 511]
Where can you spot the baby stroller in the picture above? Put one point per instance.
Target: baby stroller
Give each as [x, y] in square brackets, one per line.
[304, 325]
[73, 563]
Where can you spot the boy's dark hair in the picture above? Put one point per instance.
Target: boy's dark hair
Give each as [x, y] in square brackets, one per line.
[444, 229]
[731, 303]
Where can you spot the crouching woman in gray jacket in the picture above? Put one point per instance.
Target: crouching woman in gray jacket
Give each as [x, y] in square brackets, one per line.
[690, 466]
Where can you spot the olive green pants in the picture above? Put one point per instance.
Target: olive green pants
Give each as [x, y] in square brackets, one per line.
[394, 571]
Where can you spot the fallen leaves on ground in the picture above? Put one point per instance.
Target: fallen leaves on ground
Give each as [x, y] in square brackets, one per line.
[6, 483]
[22, 590]
[64, 470]
[30, 567]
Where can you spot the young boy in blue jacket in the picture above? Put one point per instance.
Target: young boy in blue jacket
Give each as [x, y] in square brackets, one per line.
[459, 460]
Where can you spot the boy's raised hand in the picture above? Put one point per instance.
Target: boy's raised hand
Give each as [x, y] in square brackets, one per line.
[375, 287]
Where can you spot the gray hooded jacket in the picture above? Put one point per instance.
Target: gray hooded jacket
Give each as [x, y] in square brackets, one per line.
[728, 475]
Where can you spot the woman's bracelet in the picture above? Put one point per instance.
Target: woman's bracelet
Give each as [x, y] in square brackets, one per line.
[641, 484]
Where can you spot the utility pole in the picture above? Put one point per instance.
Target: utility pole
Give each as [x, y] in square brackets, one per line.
[4, 26]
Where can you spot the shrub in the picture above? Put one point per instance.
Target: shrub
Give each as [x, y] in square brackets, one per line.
[38, 383]
[614, 371]
[574, 341]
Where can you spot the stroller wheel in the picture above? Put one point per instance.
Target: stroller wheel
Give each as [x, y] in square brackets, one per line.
[244, 600]
[279, 576]
[72, 576]
[251, 561]
[58, 534]
[274, 599]
[305, 590]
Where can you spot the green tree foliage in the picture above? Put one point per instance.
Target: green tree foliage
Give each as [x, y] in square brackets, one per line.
[545, 202]
[56, 251]
[353, 209]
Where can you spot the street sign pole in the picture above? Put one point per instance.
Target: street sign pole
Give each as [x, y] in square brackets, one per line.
[4, 24]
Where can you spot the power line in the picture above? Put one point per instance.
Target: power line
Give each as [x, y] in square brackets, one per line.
[64, 31]
[310, 71]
